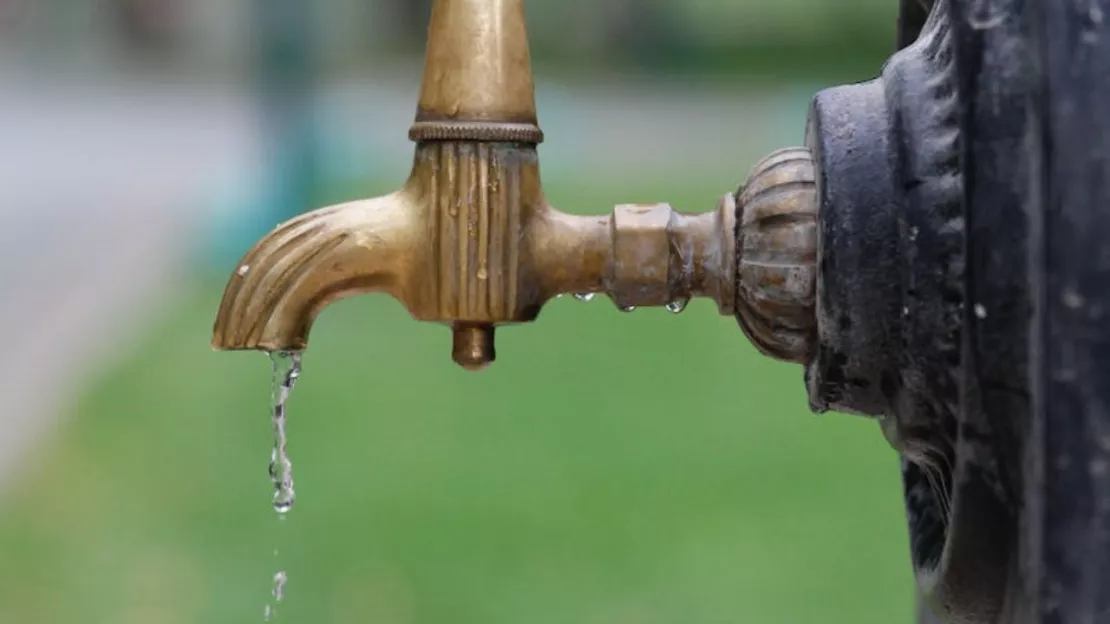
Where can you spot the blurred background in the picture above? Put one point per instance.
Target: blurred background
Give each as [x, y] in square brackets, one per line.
[610, 468]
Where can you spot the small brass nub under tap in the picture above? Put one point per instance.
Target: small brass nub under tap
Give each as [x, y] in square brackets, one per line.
[470, 240]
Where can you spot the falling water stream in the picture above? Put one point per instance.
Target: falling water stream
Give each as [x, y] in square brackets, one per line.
[286, 370]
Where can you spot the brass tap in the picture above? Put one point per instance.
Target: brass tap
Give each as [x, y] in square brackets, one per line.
[470, 239]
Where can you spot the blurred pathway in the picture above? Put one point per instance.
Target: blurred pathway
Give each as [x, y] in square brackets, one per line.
[103, 185]
[98, 186]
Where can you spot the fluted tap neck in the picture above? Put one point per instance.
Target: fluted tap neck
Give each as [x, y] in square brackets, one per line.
[477, 81]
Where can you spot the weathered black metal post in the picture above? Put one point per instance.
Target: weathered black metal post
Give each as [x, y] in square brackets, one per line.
[1067, 538]
[964, 286]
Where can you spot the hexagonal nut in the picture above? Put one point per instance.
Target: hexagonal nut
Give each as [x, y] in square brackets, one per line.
[777, 258]
[641, 258]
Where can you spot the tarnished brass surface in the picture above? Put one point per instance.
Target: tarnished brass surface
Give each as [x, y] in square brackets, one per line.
[778, 255]
[470, 240]
[477, 66]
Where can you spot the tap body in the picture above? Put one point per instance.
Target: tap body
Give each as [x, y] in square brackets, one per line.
[470, 240]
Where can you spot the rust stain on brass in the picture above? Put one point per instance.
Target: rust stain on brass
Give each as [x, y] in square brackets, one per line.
[471, 241]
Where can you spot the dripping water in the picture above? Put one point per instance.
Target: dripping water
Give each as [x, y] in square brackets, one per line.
[585, 296]
[677, 306]
[286, 367]
[278, 593]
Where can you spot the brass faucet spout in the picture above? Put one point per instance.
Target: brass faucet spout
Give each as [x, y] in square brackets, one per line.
[313, 260]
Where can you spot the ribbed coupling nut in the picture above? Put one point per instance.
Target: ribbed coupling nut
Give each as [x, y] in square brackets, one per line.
[777, 255]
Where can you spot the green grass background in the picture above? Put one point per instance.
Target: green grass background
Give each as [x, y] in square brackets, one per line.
[610, 468]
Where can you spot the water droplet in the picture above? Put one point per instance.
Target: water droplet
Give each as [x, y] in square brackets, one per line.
[283, 500]
[287, 369]
[585, 296]
[627, 308]
[277, 591]
[677, 306]
[980, 311]
[905, 310]
[243, 270]
[914, 231]
[482, 273]
[560, 295]
[279, 584]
